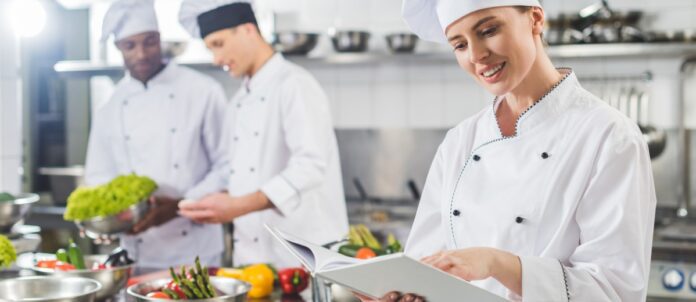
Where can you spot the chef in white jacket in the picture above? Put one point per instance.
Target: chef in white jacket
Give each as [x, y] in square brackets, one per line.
[284, 162]
[164, 122]
[545, 195]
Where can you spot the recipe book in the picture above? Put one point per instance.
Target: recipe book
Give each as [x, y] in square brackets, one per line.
[378, 276]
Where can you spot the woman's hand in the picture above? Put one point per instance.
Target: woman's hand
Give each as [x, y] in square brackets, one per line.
[480, 263]
[393, 297]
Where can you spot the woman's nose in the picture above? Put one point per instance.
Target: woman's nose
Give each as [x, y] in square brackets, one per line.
[477, 53]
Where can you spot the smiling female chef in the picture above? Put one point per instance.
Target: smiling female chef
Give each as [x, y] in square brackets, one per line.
[545, 195]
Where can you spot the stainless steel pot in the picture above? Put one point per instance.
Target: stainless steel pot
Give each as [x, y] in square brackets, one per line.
[349, 41]
[13, 211]
[402, 42]
[115, 224]
[294, 43]
[49, 289]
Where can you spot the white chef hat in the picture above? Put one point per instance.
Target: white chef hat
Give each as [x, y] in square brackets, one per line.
[429, 18]
[202, 17]
[129, 17]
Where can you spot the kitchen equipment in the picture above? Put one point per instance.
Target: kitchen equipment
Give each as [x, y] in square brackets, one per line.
[99, 227]
[12, 212]
[232, 290]
[402, 42]
[49, 289]
[112, 280]
[172, 49]
[349, 41]
[294, 43]
[63, 181]
[655, 138]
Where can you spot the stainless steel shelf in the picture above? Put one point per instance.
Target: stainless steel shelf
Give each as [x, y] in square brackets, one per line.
[675, 50]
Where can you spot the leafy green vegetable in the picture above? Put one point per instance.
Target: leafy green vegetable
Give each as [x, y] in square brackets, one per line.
[7, 252]
[108, 199]
[6, 197]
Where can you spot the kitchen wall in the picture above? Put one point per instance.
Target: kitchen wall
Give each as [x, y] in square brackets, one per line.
[10, 109]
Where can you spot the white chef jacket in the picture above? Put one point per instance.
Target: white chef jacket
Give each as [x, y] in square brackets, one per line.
[170, 131]
[282, 142]
[572, 195]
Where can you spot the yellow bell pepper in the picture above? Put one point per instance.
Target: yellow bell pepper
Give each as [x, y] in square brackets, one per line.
[260, 276]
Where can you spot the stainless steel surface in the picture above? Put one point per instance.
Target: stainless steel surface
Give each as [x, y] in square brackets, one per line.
[112, 280]
[49, 289]
[12, 212]
[349, 41]
[402, 42]
[115, 224]
[230, 290]
[684, 145]
[294, 43]
[386, 160]
[63, 181]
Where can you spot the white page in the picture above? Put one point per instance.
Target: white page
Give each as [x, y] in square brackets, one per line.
[401, 273]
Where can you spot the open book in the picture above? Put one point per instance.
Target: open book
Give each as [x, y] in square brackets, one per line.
[378, 276]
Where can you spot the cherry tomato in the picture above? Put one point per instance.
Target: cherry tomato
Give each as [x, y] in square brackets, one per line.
[160, 295]
[365, 253]
[175, 288]
[64, 266]
[46, 263]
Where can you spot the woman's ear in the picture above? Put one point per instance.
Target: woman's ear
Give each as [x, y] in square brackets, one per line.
[537, 14]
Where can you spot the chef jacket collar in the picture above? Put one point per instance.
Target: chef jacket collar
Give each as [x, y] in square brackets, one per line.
[549, 106]
[269, 70]
[165, 76]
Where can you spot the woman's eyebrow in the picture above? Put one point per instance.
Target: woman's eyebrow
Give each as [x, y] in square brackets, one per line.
[482, 21]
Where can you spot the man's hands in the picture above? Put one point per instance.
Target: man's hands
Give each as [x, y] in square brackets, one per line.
[393, 297]
[222, 208]
[162, 210]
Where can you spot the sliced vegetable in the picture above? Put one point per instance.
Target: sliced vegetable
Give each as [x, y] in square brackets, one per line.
[4, 196]
[47, 264]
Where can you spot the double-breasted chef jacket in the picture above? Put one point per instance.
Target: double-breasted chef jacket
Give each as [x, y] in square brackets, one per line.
[282, 142]
[169, 130]
[571, 194]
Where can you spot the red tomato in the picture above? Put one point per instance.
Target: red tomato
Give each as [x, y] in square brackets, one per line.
[175, 288]
[64, 266]
[46, 263]
[160, 295]
[365, 253]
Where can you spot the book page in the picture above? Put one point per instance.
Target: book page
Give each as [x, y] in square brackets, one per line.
[378, 276]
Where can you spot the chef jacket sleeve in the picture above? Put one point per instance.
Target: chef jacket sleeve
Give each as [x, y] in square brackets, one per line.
[615, 217]
[308, 130]
[100, 166]
[428, 234]
[216, 149]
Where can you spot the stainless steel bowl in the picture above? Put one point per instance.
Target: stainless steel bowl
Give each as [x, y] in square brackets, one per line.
[13, 211]
[294, 43]
[402, 43]
[232, 290]
[114, 224]
[349, 41]
[112, 279]
[49, 289]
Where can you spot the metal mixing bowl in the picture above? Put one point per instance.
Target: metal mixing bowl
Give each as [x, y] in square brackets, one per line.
[112, 279]
[349, 41]
[402, 43]
[49, 289]
[115, 224]
[233, 290]
[294, 43]
[13, 211]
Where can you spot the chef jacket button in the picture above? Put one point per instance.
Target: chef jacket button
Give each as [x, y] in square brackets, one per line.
[176, 166]
[171, 95]
[263, 99]
[252, 169]
[544, 155]
[173, 130]
[456, 213]
[256, 239]
[519, 219]
[184, 233]
[139, 241]
[236, 138]
[127, 137]
[125, 102]
[256, 133]
[231, 171]
[477, 158]
[239, 105]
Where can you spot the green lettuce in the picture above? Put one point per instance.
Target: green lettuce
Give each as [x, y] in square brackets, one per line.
[7, 252]
[108, 199]
[6, 197]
